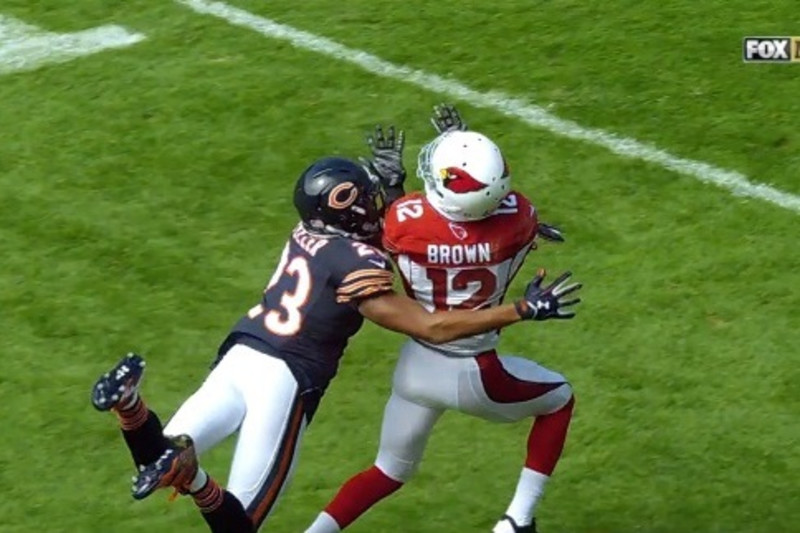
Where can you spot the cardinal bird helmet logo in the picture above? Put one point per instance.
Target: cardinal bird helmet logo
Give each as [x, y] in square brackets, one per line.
[459, 180]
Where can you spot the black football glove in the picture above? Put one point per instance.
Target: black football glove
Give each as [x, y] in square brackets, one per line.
[387, 156]
[446, 118]
[550, 233]
[544, 303]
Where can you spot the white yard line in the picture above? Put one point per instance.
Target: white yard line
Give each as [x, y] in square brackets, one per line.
[533, 115]
[26, 47]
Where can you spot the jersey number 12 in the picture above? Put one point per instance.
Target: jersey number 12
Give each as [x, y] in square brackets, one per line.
[463, 280]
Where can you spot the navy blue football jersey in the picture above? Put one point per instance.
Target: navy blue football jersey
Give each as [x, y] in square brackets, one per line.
[309, 309]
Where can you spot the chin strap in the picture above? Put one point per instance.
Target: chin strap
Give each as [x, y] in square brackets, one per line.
[327, 231]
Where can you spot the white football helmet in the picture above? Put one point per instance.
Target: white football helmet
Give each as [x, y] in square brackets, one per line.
[465, 175]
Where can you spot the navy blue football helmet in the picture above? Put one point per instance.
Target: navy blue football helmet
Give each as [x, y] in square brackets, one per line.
[337, 195]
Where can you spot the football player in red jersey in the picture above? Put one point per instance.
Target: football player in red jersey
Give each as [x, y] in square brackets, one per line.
[458, 245]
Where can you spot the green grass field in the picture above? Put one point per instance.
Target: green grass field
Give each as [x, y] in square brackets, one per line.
[145, 197]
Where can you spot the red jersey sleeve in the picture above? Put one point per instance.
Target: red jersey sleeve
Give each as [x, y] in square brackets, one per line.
[526, 219]
[401, 226]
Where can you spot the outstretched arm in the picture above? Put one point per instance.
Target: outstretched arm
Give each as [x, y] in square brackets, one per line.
[402, 314]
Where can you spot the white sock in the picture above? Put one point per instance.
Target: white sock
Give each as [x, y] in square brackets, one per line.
[199, 481]
[324, 524]
[529, 490]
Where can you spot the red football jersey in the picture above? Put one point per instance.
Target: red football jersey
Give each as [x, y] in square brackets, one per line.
[459, 265]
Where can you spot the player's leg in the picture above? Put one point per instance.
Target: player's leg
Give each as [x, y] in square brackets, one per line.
[545, 444]
[118, 391]
[510, 389]
[410, 414]
[269, 436]
[178, 468]
[404, 434]
[209, 415]
[215, 410]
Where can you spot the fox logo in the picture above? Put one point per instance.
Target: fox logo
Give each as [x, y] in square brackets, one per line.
[460, 181]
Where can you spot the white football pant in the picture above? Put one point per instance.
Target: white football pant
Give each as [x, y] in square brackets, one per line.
[258, 395]
[427, 382]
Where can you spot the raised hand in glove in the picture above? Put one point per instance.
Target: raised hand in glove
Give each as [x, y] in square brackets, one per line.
[387, 156]
[446, 118]
[544, 303]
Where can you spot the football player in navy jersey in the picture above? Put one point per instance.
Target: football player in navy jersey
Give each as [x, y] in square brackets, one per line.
[278, 359]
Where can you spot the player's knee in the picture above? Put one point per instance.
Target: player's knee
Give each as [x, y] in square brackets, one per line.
[398, 469]
[561, 398]
[567, 397]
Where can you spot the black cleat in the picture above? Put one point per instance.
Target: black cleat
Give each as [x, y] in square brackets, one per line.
[176, 468]
[509, 525]
[117, 386]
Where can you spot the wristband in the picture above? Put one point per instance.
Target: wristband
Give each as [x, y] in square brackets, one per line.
[523, 309]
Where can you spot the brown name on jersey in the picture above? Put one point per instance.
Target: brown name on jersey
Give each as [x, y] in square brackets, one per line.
[458, 254]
